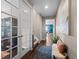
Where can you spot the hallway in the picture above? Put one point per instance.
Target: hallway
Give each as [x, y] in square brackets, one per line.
[38, 29]
[35, 54]
[31, 54]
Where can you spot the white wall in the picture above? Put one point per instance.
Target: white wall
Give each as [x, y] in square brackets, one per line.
[71, 39]
[73, 17]
[43, 29]
[73, 27]
[61, 18]
[36, 24]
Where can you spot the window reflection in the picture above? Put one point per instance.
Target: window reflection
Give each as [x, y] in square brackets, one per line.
[14, 22]
[5, 44]
[14, 42]
[6, 21]
[8, 36]
[14, 51]
[14, 31]
[5, 27]
[5, 54]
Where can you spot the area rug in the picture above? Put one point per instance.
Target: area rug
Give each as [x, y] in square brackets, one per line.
[43, 52]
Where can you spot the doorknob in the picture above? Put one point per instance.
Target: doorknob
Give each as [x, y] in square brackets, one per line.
[20, 36]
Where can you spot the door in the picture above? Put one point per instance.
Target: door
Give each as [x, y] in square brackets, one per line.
[25, 28]
[9, 37]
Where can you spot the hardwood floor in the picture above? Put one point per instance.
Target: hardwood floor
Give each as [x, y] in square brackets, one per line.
[31, 54]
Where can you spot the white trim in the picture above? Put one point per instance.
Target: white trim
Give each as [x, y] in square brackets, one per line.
[12, 4]
[9, 14]
[27, 3]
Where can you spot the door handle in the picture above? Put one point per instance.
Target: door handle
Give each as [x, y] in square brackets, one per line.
[20, 36]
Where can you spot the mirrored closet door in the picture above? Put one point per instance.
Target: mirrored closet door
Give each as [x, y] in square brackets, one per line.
[25, 28]
[9, 37]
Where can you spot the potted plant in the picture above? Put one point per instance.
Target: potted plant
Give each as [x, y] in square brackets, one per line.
[55, 39]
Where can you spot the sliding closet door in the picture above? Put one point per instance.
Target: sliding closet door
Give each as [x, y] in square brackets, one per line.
[25, 28]
[9, 37]
[29, 29]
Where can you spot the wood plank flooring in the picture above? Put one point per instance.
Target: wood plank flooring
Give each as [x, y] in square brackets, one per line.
[32, 53]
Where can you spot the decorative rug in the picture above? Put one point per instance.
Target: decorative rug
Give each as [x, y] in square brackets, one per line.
[43, 52]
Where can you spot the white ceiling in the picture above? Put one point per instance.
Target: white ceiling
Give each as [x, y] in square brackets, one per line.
[39, 6]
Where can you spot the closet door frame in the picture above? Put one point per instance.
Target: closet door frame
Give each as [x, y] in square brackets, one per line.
[11, 36]
[30, 31]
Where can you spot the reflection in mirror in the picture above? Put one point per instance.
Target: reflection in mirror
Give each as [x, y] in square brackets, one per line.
[6, 21]
[5, 54]
[14, 31]
[5, 25]
[5, 32]
[14, 42]
[5, 44]
[14, 22]
[8, 36]
[14, 51]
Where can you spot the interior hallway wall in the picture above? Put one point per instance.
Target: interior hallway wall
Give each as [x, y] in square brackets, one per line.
[36, 24]
[73, 27]
[71, 39]
[61, 18]
[43, 29]
[73, 17]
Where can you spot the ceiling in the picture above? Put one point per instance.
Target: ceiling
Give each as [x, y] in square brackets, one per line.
[39, 6]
